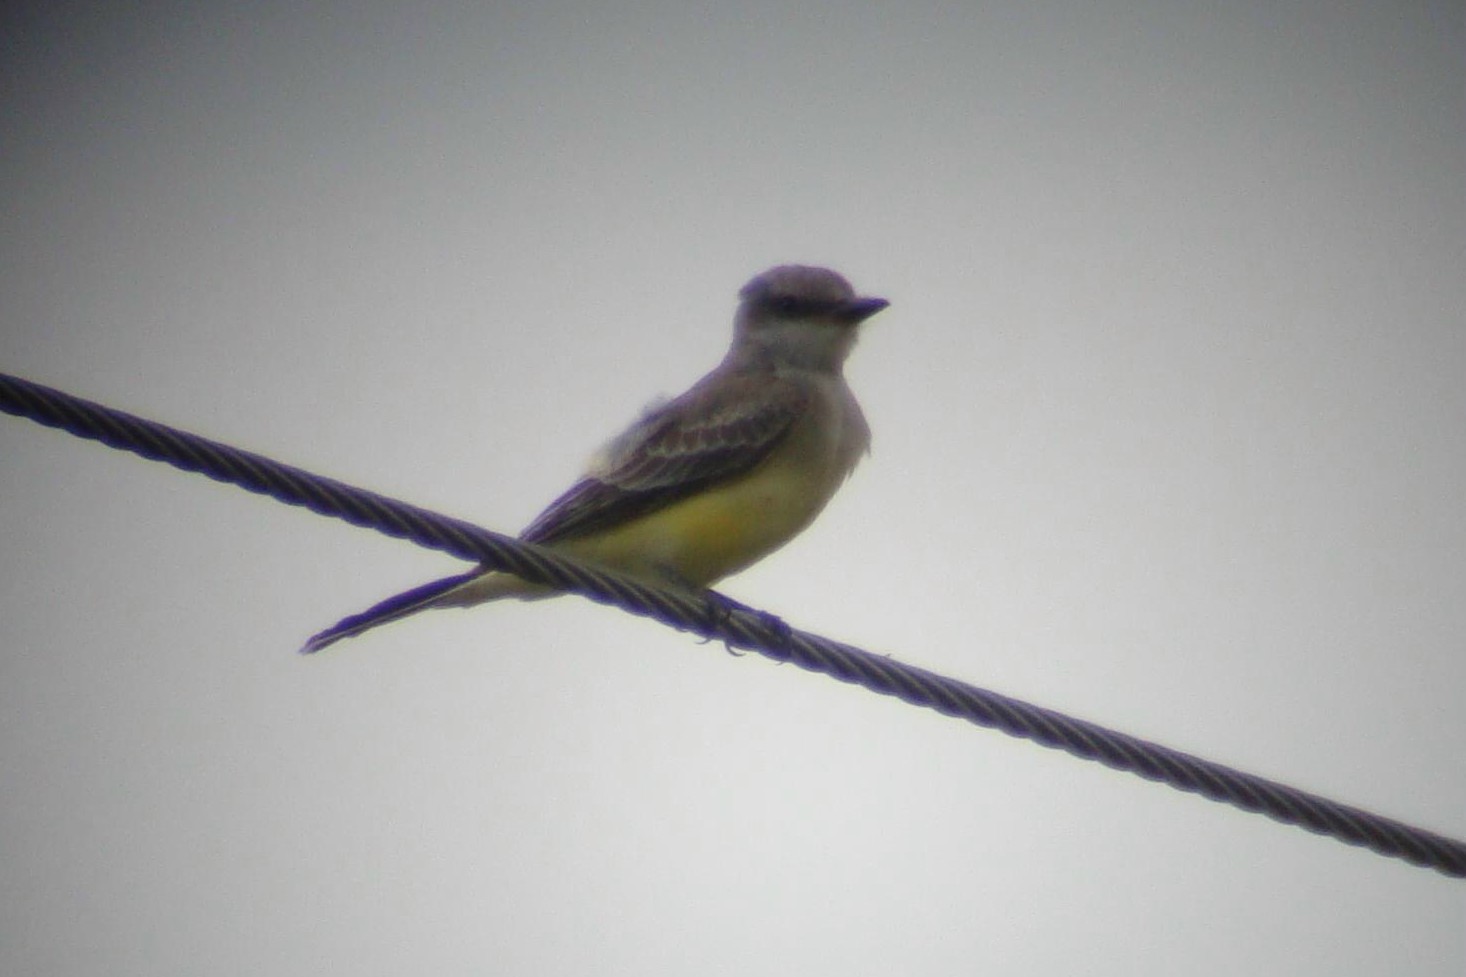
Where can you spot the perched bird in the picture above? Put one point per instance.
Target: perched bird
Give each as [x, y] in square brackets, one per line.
[713, 480]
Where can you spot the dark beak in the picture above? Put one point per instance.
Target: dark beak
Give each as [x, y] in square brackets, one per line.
[859, 310]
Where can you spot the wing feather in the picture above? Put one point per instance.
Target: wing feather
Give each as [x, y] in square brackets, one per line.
[717, 430]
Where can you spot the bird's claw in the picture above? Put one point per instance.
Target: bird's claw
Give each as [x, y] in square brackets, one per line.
[722, 607]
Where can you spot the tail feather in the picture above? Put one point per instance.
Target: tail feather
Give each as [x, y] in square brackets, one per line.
[395, 607]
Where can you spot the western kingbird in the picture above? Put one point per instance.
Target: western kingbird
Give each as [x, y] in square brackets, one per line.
[714, 480]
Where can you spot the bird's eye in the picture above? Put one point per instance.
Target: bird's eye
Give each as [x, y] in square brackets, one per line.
[788, 305]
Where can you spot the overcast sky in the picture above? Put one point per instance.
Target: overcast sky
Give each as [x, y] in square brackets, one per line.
[1170, 433]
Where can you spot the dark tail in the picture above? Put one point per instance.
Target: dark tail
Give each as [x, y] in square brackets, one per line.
[398, 606]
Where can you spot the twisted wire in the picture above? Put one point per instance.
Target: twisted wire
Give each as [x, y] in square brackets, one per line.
[717, 619]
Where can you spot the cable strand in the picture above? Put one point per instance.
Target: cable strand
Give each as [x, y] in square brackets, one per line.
[717, 619]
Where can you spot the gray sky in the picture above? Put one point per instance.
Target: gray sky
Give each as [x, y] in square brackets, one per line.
[1168, 434]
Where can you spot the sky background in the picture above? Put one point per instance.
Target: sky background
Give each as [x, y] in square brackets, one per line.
[1168, 414]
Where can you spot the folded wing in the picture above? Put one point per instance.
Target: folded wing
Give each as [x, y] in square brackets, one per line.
[714, 432]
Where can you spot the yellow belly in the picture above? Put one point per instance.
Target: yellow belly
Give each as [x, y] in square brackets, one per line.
[706, 537]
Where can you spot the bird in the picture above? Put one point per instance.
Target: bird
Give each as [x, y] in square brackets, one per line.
[713, 480]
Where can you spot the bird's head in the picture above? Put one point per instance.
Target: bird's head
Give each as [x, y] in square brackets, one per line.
[799, 315]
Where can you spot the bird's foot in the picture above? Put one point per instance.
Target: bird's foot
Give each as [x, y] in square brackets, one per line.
[721, 609]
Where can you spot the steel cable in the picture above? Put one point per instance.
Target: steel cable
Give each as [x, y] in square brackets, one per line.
[718, 619]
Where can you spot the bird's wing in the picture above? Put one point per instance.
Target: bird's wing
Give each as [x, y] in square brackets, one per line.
[717, 430]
